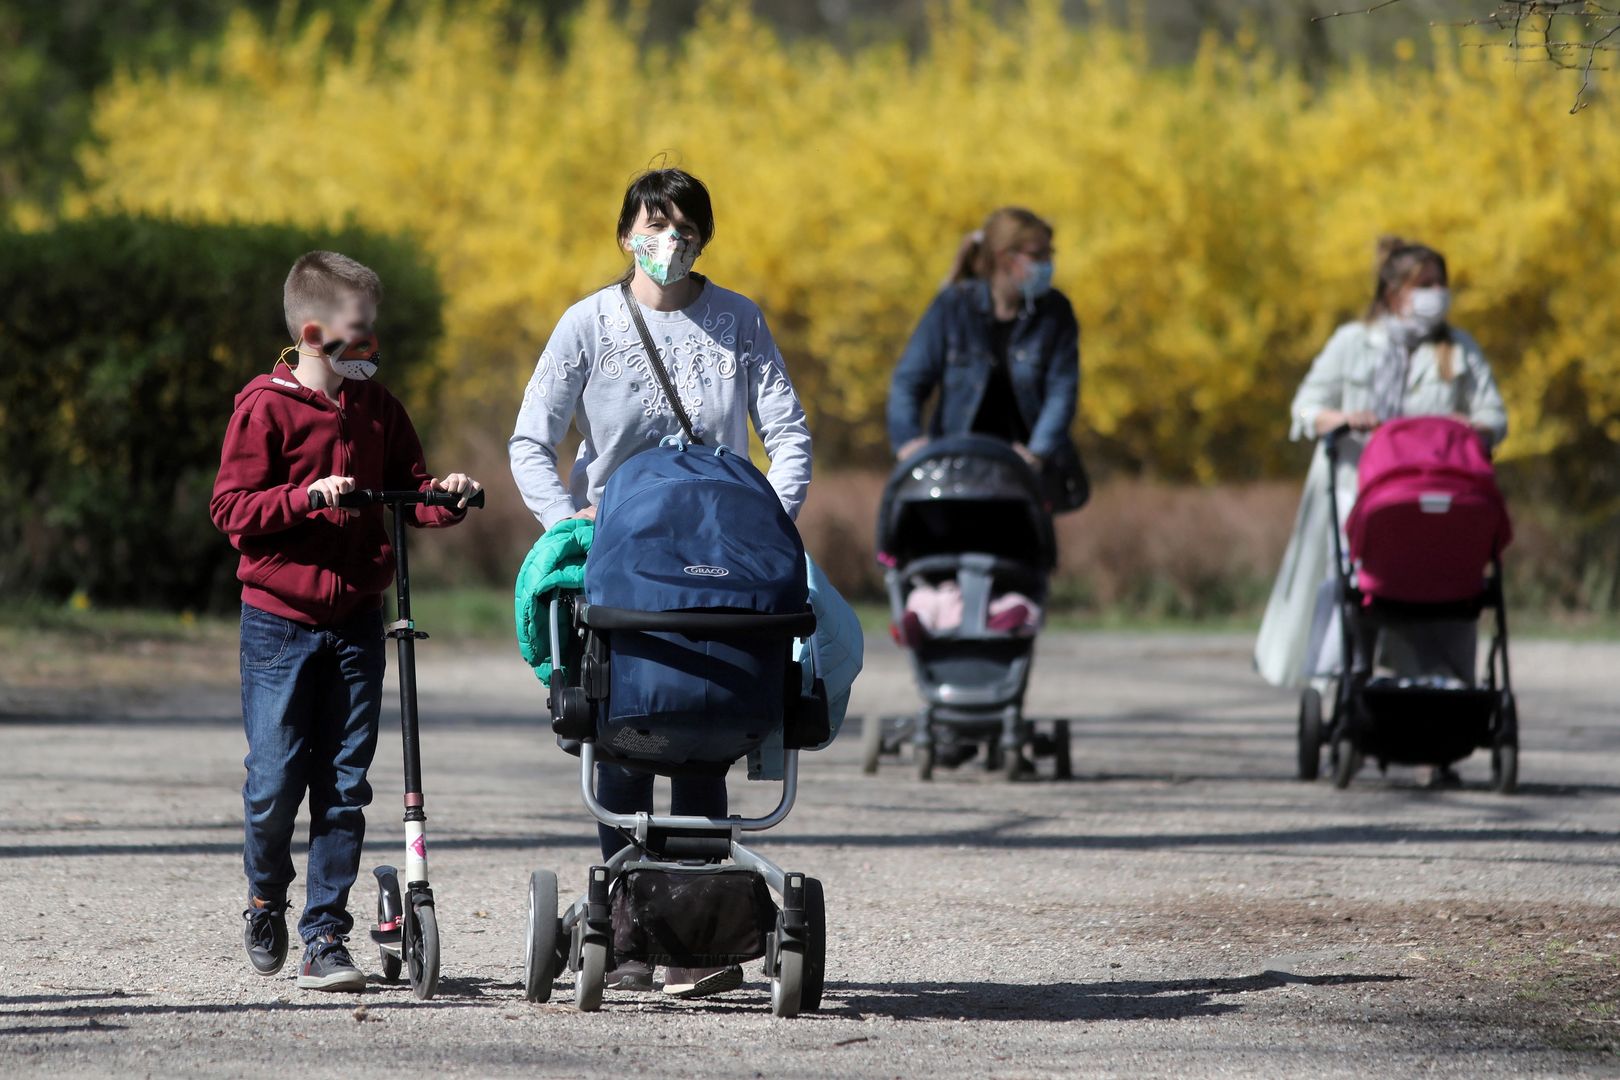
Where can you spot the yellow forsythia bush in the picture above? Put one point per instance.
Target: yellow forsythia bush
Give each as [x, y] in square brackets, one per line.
[1213, 222]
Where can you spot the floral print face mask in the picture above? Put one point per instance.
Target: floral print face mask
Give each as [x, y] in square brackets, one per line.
[666, 257]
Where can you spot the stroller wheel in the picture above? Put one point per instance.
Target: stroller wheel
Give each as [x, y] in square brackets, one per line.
[1346, 762]
[925, 761]
[1505, 769]
[788, 983]
[1062, 767]
[1505, 754]
[540, 937]
[1310, 734]
[871, 744]
[591, 976]
[801, 968]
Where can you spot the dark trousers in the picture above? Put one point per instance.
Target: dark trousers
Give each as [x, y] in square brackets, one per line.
[628, 791]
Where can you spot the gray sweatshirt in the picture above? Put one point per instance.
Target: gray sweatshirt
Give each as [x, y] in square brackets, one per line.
[594, 373]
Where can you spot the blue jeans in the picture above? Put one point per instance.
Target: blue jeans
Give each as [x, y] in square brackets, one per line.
[628, 791]
[311, 697]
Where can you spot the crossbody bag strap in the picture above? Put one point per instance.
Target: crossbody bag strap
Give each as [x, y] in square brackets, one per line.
[657, 364]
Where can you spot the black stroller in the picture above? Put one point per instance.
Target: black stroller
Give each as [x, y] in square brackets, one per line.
[968, 512]
[1425, 541]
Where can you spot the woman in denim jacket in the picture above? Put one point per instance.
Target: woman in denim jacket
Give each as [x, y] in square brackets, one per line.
[1003, 348]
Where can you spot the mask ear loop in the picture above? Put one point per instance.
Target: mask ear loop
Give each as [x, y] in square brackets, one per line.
[282, 359]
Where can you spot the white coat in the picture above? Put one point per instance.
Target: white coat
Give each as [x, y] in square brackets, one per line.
[1341, 378]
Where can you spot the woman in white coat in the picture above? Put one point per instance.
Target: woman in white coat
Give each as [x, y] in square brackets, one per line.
[1402, 359]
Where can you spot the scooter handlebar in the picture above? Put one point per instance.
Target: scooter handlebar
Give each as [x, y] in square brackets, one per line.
[361, 498]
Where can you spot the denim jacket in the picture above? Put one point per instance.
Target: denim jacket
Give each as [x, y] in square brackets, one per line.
[950, 349]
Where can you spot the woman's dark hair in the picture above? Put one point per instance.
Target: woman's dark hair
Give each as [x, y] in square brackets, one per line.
[661, 189]
[1399, 264]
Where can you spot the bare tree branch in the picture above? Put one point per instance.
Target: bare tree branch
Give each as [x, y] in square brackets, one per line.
[1528, 26]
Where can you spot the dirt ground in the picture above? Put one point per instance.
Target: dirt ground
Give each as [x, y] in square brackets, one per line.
[1182, 908]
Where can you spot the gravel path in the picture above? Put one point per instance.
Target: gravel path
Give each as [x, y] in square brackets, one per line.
[1182, 909]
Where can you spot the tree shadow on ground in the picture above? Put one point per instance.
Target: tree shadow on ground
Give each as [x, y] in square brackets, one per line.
[1147, 999]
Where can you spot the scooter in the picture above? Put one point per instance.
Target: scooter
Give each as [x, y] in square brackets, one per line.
[407, 931]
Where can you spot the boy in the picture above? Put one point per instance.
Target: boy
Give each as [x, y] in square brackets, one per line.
[312, 583]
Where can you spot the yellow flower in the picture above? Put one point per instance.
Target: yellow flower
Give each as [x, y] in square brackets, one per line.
[1212, 224]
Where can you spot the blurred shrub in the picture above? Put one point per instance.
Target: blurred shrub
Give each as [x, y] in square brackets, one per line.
[1214, 222]
[122, 344]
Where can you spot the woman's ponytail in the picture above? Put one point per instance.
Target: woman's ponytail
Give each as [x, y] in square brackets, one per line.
[966, 263]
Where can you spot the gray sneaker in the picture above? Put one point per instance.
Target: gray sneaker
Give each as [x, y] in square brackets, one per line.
[689, 983]
[328, 966]
[633, 975]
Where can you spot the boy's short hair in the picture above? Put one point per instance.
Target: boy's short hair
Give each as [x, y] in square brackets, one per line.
[318, 280]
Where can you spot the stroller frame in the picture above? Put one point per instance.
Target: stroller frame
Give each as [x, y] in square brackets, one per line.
[579, 939]
[955, 721]
[1425, 729]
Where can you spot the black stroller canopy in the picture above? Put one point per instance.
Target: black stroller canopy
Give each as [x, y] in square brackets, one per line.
[965, 493]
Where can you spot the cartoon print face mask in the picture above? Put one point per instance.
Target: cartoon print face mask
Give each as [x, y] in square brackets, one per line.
[666, 257]
[354, 359]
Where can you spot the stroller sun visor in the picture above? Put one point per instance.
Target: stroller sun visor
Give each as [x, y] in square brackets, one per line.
[961, 494]
[1429, 517]
[685, 529]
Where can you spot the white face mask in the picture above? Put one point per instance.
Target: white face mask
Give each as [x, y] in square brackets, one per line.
[666, 257]
[1427, 308]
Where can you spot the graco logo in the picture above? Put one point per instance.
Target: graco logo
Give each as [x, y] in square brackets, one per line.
[707, 571]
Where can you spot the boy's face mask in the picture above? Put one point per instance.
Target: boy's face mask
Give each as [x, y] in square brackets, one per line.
[355, 358]
[666, 257]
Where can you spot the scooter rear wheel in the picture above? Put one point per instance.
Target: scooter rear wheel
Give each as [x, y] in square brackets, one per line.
[388, 959]
[421, 948]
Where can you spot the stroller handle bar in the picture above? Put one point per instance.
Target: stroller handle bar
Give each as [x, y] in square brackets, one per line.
[361, 498]
[798, 624]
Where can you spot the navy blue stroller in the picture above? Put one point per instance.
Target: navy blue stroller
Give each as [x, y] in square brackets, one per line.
[678, 660]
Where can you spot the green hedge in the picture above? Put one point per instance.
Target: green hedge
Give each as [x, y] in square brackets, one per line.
[123, 341]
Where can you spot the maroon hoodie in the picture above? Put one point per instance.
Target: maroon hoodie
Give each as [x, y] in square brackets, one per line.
[314, 567]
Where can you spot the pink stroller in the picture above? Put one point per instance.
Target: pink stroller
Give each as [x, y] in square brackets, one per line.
[1425, 546]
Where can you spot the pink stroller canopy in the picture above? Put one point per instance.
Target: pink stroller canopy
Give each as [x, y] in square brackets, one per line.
[1429, 517]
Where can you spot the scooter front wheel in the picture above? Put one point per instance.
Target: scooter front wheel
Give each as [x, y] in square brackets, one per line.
[421, 948]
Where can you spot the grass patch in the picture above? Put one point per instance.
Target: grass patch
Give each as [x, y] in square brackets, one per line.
[483, 614]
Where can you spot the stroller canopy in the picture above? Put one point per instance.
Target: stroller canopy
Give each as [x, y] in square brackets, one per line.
[1428, 517]
[694, 529]
[965, 493]
[691, 528]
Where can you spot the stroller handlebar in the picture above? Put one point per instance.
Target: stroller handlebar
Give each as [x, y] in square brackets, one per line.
[361, 498]
[797, 624]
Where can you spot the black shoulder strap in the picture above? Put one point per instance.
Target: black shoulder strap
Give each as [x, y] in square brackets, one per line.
[657, 365]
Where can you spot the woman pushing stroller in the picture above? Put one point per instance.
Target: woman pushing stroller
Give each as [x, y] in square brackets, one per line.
[715, 369]
[1402, 359]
